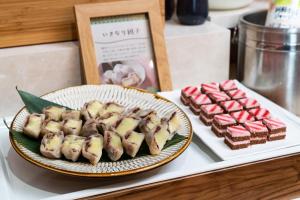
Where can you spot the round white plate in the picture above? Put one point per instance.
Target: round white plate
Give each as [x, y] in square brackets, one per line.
[75, 97]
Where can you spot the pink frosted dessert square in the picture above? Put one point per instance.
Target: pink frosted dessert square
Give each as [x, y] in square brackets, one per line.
[236, 94]
[209, 87]
[260, 113]
[249, 103]
[218, 96]
[242, 116]
[231, 106]
[228, 85]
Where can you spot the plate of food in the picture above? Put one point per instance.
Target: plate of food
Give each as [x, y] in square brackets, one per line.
[234, 121]
[99, 130]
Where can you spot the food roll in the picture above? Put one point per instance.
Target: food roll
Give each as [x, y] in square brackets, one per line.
[91, 109]
[71, 114]
[72, 126]
[173, 123]
[111, 108]
[126, 124]
[50, 126]
[157, 138]
[113, 145]
[108, 120]
[89, 128]
[54, 112]
[132, 142]
[149, 122]
[33, 125]
[72, 147]
[92, 148]
[51, 145]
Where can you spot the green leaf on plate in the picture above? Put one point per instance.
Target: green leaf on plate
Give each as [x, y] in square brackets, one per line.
[27, 142]
[35, 104]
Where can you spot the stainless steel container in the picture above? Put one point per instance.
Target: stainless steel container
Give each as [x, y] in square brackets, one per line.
[269, 60]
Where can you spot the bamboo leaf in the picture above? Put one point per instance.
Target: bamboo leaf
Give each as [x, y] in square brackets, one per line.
[35, 104]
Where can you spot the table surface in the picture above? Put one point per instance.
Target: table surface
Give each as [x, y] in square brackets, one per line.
[22, 180]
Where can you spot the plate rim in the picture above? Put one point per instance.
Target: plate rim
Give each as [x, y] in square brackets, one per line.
[111, 174]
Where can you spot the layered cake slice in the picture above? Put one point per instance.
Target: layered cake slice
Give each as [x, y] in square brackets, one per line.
[51, 145]
[259, 132]
[33, 125]
[277, 129]
[236, 94]
[132, 142]
[208, 112]
[228, 85]
[221, 123]
[242, 116]
[218, 96]
[113, 145]
[209, 87]
[187, 92]
[249, 103]
[237, 137]
[260, 113]
[92, 148]
[231, 106]
[197, 101]
[72, 147]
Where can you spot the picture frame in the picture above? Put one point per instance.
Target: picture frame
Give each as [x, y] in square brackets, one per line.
[138, 58]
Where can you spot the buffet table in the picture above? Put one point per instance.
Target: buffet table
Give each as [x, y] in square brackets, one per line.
[198, 172]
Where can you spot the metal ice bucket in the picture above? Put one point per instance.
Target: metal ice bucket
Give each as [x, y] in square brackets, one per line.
[269, 60]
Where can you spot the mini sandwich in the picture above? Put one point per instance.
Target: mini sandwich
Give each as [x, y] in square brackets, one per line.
[33, 125]
[51, 145]
[71, 114]
[157, 138]
[108, 120]
[173, 124]
[92, 148]
[89, 128]
[54, 112]
[72, 147]
[149, 122]
[126, 124]
[113, 145]
[111, 108]
[91, 109]
[132, 142]
[72, 126]
[50, 126]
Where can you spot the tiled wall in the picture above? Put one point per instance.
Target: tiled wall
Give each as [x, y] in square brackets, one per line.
[196, 54]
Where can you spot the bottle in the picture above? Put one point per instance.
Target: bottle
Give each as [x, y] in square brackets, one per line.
[169, 8]
[284, 14]
[192, 12]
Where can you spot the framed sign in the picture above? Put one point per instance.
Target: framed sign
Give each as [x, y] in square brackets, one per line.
[123, 43]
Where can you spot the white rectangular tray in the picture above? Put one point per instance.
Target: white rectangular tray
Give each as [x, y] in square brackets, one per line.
[218, 146]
